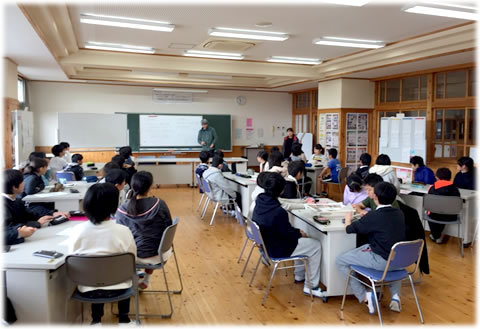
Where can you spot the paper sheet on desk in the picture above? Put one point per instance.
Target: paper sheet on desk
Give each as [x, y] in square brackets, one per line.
[50, 194]
[67, 231]
[402, 191]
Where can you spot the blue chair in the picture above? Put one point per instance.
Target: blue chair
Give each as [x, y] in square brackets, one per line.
[241, 221]
[208, 190]
[65, 176]
[254, 231]
[200, 188]
[402, 255]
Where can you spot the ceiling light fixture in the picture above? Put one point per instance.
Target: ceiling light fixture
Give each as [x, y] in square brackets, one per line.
[118, 47]
[347, 42]
[247, 34]
[294, 60]
[133, 23]
[355, 3]
[441, 9]
[212, 54]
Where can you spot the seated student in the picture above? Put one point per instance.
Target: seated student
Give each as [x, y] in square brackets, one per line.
[120, 161]
[295, 173]
[385, 226]
[280, 238]
[225, 165]
[443, 186]
[319, 158]
[118, 178]
[383, 167]
[147, 217]
[204, 157]
[129, 164]
[106, 169]
[67, 156]
[102, 236]
[222, 189]
[15, 211]
[17, 234]
[465, 178]
[368, 204]
[262, 158]
[275, 160]
[76, 166]
[57, 163]
[330, 173]
[354, 191]
[33, 183]
[41, 155]
[297, 153]
[422, 174]
[365, 161]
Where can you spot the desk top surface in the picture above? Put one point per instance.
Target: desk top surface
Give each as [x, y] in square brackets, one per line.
[241, 180]
[465, 194]
[189, 160]
[45, 196]
[21, 256]
[307, 216]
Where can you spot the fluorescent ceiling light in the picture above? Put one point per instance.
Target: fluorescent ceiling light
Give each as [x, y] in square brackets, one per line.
[118, 47]
[294, 60]
[355, 3]
[212, 54]
[347, 42]
[181, 90]
[444, 10]
[247, 34]
[133, 23]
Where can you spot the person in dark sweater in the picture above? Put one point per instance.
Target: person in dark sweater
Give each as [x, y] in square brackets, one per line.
[288, 142]
[465, 178]
[280, 238]
[385, 226]
[443, 186]
[76, 166]
[365, 160]
[295, 174]
[225, 167]
[129, 164]
[17, 234]
[146, 217]
[422, 173]
[15, 211]
[204, 156]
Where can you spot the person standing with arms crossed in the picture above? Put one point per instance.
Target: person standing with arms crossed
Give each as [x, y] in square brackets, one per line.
[207, 137]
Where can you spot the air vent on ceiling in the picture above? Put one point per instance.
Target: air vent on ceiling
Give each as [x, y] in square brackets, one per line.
[219, 44]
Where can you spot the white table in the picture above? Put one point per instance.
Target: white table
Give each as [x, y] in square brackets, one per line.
[468, 214]
[313, 172]
[38, 287]
[88, 171]
[65, 200]
[245, 187]
[334, 240]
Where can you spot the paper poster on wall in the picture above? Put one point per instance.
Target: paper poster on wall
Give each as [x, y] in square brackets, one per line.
[351, 138]
[249, 123]
[351, 121]
[360, 151]
[395, 133]
[335, 121]
[329, 138]
[351, 154]
[329, 121]
[250, 134]
[362, 123]
[383, 141]
[238, 133]
[446, 151]
[384, 128]
[362, 138]
[322, 121]
[407, 132]
[438, 151]
[335, 139]
[260, 132]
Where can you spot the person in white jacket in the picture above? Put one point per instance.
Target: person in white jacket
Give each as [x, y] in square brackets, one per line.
[383, 167]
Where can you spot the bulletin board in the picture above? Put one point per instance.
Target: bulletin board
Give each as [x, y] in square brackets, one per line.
[357, 139]
[328, 132]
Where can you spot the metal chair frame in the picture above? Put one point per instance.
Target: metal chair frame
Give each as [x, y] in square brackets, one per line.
[241, 221]
[207, 187]
[200, 188]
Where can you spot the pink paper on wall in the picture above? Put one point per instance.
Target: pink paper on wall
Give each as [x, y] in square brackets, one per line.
[249, 123]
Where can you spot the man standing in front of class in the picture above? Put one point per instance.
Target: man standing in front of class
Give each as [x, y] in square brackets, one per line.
[207, 137]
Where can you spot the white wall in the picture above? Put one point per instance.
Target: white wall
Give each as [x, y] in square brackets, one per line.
[330, 94]
[10, 79]
[268, 109]
[346, 93]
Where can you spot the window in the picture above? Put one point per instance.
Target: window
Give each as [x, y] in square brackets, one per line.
[21, 90]
[383, 85]
[451, 137]
[472, 83]
[302, 100]
[315, 99]
[410, 89]
[451, 84]
[393, 90]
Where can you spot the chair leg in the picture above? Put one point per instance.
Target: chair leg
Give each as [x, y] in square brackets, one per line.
[460, 238]
[205, 207]
[255, 271]
[214, 212]
[376, 302]
[269, 283]
[168, 294]
[179, 275]
[416, 299]
[243, 249]
[137, 306]
[345, 292]
[81, 305]
[201, 200]
[248, 259]
[307, 273]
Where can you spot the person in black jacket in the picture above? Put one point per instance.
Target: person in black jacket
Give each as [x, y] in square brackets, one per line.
[295, 174]
[465, 178]
[443, 186]
[147, 217]
[365, 160]
[280, 238]
[385, 226]
[76, 166]
[17, 234]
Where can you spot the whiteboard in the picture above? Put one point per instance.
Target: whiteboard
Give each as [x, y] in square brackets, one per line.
[23, 135]
[169, 130]
[92, 129]
[307, 143]
[403, 138]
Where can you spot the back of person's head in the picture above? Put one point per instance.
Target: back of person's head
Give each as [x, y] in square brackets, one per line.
[40, 155]
[204, 156]
[261, 178]
[273, 184]
[100, 202]
[320, 148]
[65, 145]
[35, 165]
[141, 182]
[443, 174]
[110, 166]
[219, 153]
[295, 167]
[11, 178]
[57, 149]
[354, 183]
[275, 159]
[125, 151]
[118, 159]
[366, 159]
[263, 155]
[333, 153]
[275, 149]
[372, 180]
[383, 160]
[289, 129]
[297, 149]
[77, 157]
[385, 192]
[416, 160]
[467, 162]
[116, 176]
[216, 161]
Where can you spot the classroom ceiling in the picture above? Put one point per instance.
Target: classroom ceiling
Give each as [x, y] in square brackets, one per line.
[439, 42]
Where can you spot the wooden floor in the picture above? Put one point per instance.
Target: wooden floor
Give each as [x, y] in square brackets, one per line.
[214, 292]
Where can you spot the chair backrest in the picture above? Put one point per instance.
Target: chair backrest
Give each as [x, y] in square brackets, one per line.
[342, 174]
[206, 186]
[404, 254]
[199, 183]
[239, 216]
[167, 237]
[65, 175]
[442, 204]
[253, 230]
[100, 271]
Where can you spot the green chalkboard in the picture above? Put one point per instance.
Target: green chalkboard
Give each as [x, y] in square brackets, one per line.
[221, 123]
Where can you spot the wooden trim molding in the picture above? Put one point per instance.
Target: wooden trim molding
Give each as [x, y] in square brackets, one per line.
[422, 72]
[9, 105]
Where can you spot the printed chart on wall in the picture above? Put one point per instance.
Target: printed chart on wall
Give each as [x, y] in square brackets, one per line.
[357, 139]
[328, 124]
